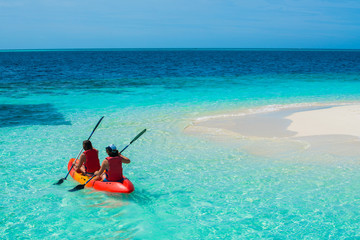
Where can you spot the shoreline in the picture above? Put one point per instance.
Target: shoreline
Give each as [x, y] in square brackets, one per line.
[330, 128]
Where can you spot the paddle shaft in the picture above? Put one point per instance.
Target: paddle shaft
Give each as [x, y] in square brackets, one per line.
[81, 186]
[89, 180]
[137, 136]
[83, 148]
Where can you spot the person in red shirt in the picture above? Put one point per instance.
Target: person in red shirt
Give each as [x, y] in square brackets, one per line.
[89, 160]
[112, 165]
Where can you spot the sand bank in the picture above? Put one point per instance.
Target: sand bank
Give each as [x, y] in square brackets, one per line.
[332, 128]
[339, 120]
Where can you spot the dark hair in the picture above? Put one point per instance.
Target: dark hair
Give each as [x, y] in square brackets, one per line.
[87, 145]
[112, 153]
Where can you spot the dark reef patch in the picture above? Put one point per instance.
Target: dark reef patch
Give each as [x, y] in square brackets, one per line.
[30, 114]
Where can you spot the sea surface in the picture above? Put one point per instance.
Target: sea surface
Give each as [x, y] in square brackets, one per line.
[186, 187]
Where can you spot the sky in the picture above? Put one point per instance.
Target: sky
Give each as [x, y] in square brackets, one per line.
[54, 24]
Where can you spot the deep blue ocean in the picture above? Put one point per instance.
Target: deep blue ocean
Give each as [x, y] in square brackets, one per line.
[186, 187]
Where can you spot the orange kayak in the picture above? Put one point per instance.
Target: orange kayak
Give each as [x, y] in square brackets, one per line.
[125, 187]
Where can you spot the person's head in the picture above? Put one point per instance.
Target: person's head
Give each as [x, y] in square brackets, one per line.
[112, 151]
[87, 145]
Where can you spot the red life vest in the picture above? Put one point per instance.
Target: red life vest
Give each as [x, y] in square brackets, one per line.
[114, 173]
[92, 162]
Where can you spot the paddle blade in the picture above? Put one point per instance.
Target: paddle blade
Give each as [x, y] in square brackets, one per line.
[81, 186]
[142, 132]
[77, 188]
[59, 182]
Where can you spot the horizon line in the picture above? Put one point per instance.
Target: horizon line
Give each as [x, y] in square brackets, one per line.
[172, 48]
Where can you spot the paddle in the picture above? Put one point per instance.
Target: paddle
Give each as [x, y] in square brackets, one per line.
[62, 179]
[81, 186]
[137, 136]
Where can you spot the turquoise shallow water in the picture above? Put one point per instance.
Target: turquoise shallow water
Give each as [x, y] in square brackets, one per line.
[186, 187]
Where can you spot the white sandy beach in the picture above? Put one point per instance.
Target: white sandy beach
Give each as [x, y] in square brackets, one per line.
[332, 129]
[340, 120]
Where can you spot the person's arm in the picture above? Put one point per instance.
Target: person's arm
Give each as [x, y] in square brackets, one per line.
[104, 166]
[80, 162]
[124, 159]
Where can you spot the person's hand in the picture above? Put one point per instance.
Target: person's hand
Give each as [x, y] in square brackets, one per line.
[77, 169]
[96, 173]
